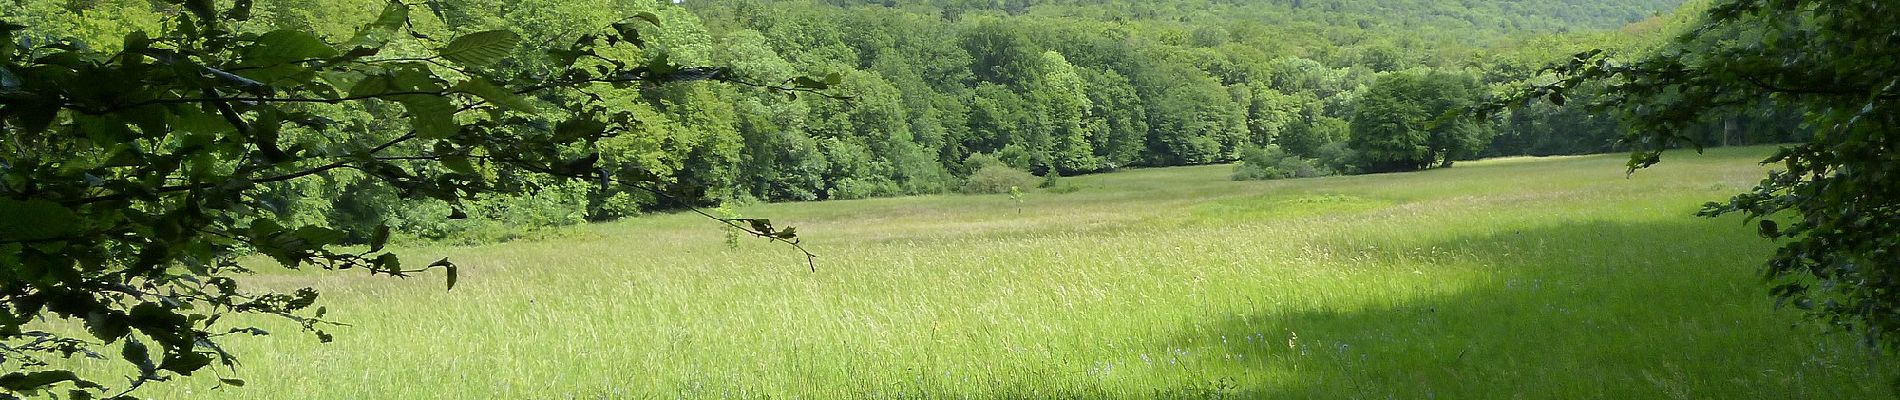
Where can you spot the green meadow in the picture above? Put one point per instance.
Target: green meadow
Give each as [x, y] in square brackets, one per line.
[1536, 278]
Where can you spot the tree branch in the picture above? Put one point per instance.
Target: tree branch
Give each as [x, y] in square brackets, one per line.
[277, 178]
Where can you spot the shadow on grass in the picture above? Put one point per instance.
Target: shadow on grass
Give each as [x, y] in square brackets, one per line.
[1586, 310]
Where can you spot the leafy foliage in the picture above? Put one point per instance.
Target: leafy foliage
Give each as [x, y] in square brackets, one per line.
[996, 178]
[1268, 163]
[132, 178]
[1835, 198]
[1404, 122]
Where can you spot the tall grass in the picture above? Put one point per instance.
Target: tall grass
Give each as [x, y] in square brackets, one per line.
[1516, 278]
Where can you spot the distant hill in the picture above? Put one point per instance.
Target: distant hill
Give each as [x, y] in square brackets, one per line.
[1493, 15]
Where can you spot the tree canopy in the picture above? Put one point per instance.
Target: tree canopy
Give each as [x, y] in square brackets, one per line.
[1397, 124]
[1834, 200]
[134, 175]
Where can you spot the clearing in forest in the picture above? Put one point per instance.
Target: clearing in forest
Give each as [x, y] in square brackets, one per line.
[1511, 278]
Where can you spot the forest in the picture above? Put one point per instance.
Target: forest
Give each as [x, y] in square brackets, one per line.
[991, 198]
[928, 93]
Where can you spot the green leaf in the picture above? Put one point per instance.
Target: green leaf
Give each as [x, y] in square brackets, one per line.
[204, 9]
[480, 48]
[394, 15]
[287, 45]
[435, 7]
[459, 164]
[433, 117]
[648, 16]
[431, 114]
[136, 353]
[379, 238]
[388, 263]
[107, 327]
[8, 80]
[494, 94]
[372, 85]
[240, 10]
[35, 220]
[377, 33]
[246, 84]
[154, 319]
[661, 66]
[319, 236]
[449, 267]
[809, 83]
[184, 363]
[24, 381]
[34, 117]
[136, 42]
[631, 34]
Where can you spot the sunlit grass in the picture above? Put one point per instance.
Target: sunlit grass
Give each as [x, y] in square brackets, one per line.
[1521, 278]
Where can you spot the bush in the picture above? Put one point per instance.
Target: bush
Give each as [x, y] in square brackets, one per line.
[1297, 167]
[1258, 163]
[1339, 158]
[998, 179]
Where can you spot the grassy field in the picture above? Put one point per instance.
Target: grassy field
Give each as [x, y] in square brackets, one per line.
[1511, 278]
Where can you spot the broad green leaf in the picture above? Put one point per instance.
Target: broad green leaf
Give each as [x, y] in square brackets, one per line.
[433, 117]
[494, 94]
[394, 15]
[151, 317]
[136, 353]
[459, 164]
[107, 327]
[204, 9]
[388, 262]
[135, 43]
[283, 46]
[320, 236]
[480, 48]
[35, 220]
[378, 32]
[661, 66]
[631, 34]
[240, 10]
[24, 381]
[240, 82]
[379, 238]
[649, 17]
[9, 81]
[435, 7]
[184, 363]
[449, 268]
[372, 85]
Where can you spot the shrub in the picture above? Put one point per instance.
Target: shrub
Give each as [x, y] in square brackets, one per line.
[997, 179]
[1267, 163]
[1338, 157]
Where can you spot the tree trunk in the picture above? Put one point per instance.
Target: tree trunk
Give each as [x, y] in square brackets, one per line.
[1728, 129]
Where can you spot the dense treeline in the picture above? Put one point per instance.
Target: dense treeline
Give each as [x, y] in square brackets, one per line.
[942, 88]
